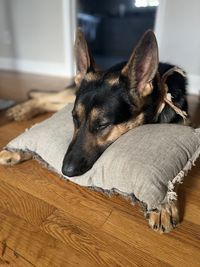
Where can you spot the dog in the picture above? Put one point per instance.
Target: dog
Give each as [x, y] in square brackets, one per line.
[110, 103]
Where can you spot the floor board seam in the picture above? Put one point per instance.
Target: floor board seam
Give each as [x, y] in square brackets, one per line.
[4, 253]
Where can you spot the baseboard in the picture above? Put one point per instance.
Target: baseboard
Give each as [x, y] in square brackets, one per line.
[38, 67]
[194, 84]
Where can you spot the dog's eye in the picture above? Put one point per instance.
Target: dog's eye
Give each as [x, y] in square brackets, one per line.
[103, 126]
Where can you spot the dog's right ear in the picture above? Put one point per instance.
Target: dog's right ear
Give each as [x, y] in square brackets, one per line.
[84, 60]
[142, 65]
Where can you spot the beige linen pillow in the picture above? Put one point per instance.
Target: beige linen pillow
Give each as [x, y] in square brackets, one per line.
[145, 162]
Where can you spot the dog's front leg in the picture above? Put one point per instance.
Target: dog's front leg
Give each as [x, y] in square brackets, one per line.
[12, 157]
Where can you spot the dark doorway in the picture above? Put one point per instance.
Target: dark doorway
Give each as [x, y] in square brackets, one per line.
[113, 27]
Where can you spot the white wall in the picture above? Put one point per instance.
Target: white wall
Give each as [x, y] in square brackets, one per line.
[37, 36]
[5, 42]
[177, 30]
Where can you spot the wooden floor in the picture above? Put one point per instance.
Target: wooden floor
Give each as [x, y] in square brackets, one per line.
[15, 85]
[46, 221]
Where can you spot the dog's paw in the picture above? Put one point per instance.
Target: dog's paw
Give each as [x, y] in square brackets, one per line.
[9, 158]
[12, 158]
[164, 219]
[23, 111]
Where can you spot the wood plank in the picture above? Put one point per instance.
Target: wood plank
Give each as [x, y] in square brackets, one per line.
[173, 248]
[24, 205]
[37, 247]
[103, 249]
[39, 182]
[192, 179]
[11, 258]
[191, 212]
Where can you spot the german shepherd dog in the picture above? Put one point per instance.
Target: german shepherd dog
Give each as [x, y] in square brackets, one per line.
[110, 103]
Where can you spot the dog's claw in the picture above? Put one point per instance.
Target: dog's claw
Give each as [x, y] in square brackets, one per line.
[162, 229]
[155, 227]
[174, 223]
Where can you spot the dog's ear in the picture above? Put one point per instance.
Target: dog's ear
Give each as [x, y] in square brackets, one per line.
[84, 60]
[142, 65]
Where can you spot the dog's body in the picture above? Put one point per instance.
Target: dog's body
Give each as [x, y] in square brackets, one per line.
[110, 103]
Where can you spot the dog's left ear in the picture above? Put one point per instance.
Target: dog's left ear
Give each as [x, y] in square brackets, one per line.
[142, 65]
[84, 60]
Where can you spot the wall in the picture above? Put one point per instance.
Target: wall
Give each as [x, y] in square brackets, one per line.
[5, 42]
[37, 36]
[177, 30]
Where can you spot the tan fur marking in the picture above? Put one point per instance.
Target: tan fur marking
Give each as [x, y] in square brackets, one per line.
[80, 113]
[78, 79]
[91, 76]
[165, 220]
[154, 220]
[113, 81]
[80, 110]
[120, 129]
[94, 114]
[147, 89]
[92, 142]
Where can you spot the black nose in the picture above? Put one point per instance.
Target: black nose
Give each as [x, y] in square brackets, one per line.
[70, 170]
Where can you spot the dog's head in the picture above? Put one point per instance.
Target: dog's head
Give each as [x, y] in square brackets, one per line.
[108, 103]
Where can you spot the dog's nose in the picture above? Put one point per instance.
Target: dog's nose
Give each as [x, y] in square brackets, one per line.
[74, 164]
[69, 170]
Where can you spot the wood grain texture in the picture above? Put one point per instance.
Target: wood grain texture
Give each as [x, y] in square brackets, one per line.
[11, 258]
[51, 189]
[47, 221]
[35, 245]
[102, 248]
[173, 248]
[24, 205]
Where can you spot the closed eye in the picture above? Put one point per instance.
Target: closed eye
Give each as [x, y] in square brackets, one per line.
[102, 126]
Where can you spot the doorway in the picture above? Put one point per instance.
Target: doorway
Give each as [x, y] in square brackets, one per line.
[113, 27]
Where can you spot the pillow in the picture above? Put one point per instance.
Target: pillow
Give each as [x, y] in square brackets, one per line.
[145, 162]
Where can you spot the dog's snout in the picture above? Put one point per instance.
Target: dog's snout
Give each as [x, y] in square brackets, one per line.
[69, 170]
[74, 165]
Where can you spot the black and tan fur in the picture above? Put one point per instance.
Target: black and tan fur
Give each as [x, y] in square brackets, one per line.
[110, 103]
